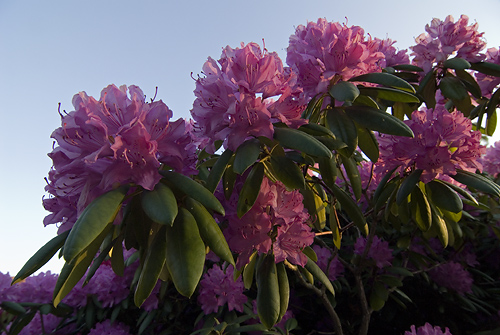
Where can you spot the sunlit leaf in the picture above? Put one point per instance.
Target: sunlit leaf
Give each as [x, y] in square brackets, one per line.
[421, 210]
[352, 171]
[284, 289]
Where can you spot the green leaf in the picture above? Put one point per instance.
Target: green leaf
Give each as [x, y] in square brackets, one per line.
[351, 169]
[12, 307]
[427, 89]
[344, 91]
[268, 291]
[459, 190]
[381, 184]
[284, 288]
[160, 204]
[344, 129]
[408, 185]
[487, 68]
[117, 262]
[407, 67]
[41, 257]
[298, 140]
[20, 322]
[470, 83]
[218, 170]
[209, 230]
[334, 223]
[194, 189]
[444, 197]
[351, 208]
[491, 124]
[456, 64]
[287, 172]
[421, 210]
[250, 190]
[375, 119]
[185, 253]
[246, 155]
[440, 225]
[477, 181]
[385, 79]
[378, 296]
[152, 267]
[315, 270]
[309, 252]
[314, 129]
[92, 222]
[453, 88]
[368, 143]
[389, 94]
[328, 170]
[249, 271]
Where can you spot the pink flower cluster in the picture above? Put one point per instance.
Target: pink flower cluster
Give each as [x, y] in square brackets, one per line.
[218, 287]
[234, 101]
[454, 276]
[446, 38]
[489, 83]
[277, 221]
[443, 143]
[379, 251]
[111, 141]
[427, 329]
[491, 159]
[323, 51]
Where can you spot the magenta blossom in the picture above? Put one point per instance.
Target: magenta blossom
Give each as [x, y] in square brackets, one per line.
[218, 288]
[448, 38]
[427, 329]
[489, 83]
[108, 328]
[452, 275]
[491, 159]
[323, 51]
[335, 268]
[379, 251]
[443, 143]
[111, 141]
[243, 95]
[277, 221]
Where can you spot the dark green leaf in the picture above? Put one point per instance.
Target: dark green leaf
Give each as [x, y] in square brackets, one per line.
[351, 208]
[385, 79]
[375, 119]
[421, 210]
[344, 91]
[298, 140]
[93, 221]
[315, 270]
[20, 322]
[456, 63]
[316, 130]
[389, 94]
[194, 189]
[218, 170]
[152, 267]
[334, 223]
[351, 169]
[287, 172]
[328, 170]
[381, 184]
[250, 190]
[185, 253]
[407, 67]
[246, 155]
[444, 197]
[470, 83]
[439, 224]
[117, 262]
[41, 257]
[12, 307]
[427, 89]
[268, 291]
[407, 186]
[284, 288]
[249, 271]
[209, 230]
[378, 296]
[487, 68]
[453, 88]
[477, 181]
[160, 204]
[344, 128]
[367, 142]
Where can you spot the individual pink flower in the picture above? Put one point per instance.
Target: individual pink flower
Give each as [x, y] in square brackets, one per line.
[335, 268]
[277, 221]
[452, 275]
[427, 329]
[489, 83]
[111, 141]
[491, 159]
[379, 251]
[322, 51]
[443, 143]
[448, 38]
[243, 95]
[218, 288]
[107, 328]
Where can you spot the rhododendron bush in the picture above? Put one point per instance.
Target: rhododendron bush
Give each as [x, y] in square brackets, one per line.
[348, 192]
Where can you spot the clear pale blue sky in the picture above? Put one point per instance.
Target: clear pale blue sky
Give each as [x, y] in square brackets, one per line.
[51, 50]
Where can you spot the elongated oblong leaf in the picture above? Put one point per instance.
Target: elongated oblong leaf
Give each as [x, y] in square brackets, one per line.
[315, 270]
[375, 119]
[352, 172]
[444, 197]
[407, 186]
[351, 208]
[284, 287]
[287, 172]
[344, 128]
[477, 181]
[218, 169]
[194, 189]
[421, 210]
[160, 204]
[344, 91]
[246, 155]
[389, 94]
[92, 222]
[209, 230]
[368, 143]
[385, 79]
[453, 88]
[457, 64]
[301, 141]
[490, 69]
[250, 190]
[185, 253]
[41, 257]
[268, 291]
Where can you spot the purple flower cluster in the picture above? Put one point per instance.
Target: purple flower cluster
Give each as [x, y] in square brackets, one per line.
[218, 287]
[489, 83]
[446, 38]
[491, 159]
[108, 328]
[379, 251]
[277, 221]
[443, 143]
[235, 101]
[452, 275]
[331, 266]
[324, 52]
[427, 329]
[111, 141]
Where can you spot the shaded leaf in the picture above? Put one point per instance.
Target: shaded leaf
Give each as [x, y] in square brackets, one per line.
[344, 129]
[367, 142]
[344, 91]
[160, 204]
[453, 88]
[477, 181]
[246, 155]
[389, 94]
[250, 190]
[351, 208]
[408, 185]
[444, 197]
[407, 67]
[268, 291]
[487, 68]
[298, 140]
[315, 270]
[218, 169]
[375, 119]
[284, 289]
[421, 210]
[287, 172]
[351, 169]
[385, 79]
[457, 64]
